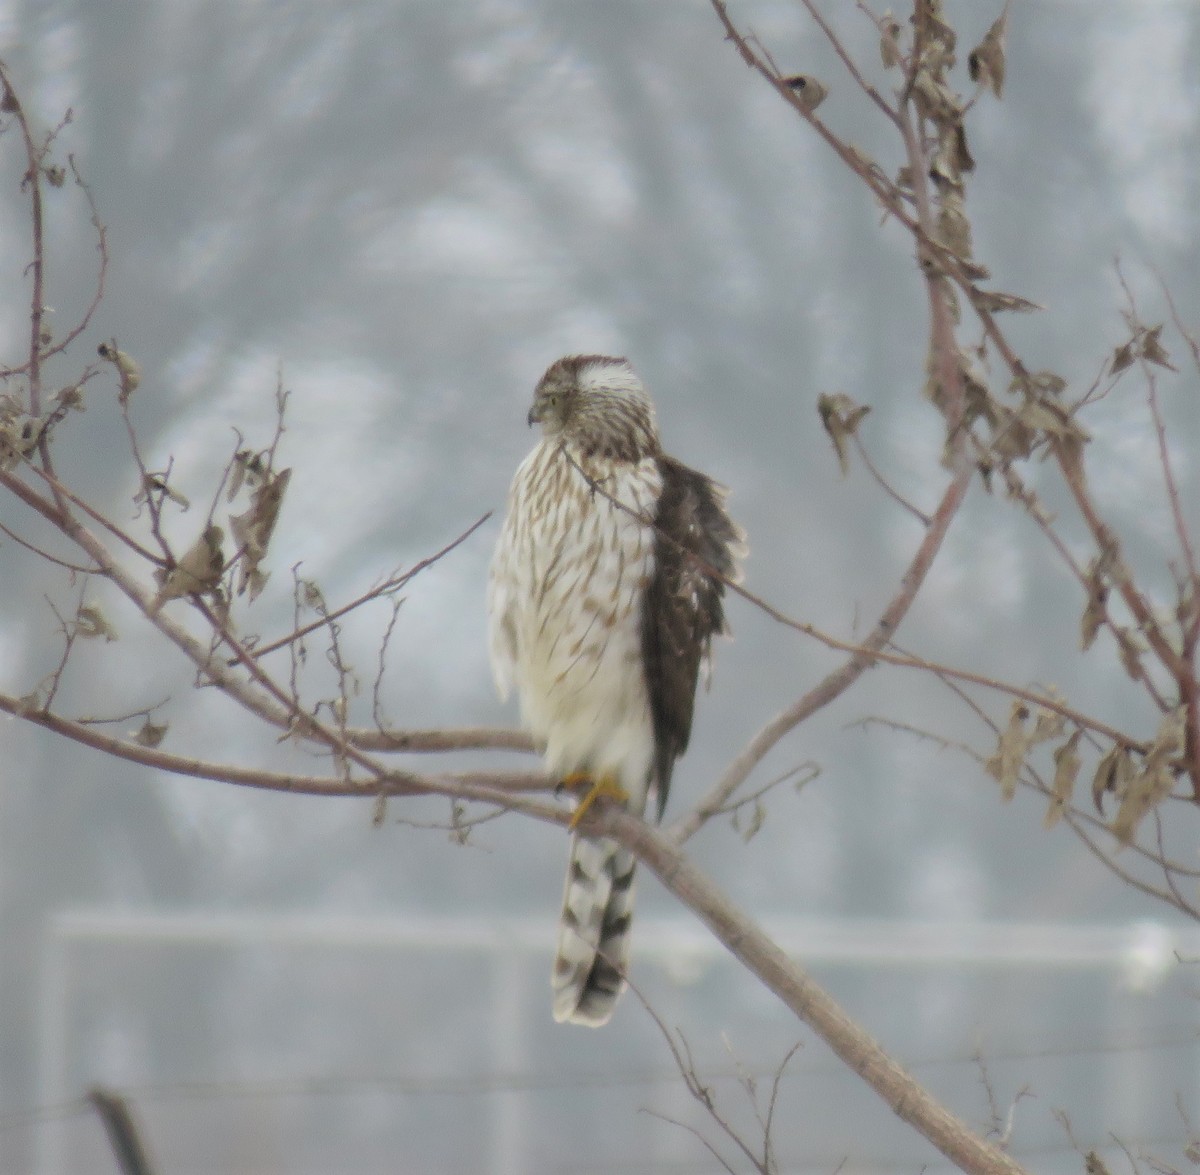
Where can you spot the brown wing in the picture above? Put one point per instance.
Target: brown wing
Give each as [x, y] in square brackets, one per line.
[683, 608]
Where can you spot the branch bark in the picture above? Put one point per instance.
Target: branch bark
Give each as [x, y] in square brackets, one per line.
[752, 947]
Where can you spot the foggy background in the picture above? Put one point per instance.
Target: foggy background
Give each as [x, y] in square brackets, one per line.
[411, 208]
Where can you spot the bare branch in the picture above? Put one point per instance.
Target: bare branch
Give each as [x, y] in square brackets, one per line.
[784, 976]
[389, 586]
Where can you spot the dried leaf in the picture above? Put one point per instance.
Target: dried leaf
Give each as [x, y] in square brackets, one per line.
[252, 530]
[840, 416]
[70, 397]
[237, 475]
[807, 89]
[19, 436]
[91, 623]
[153, 483]
[151, 734]
[1066, 771]
[953, 227]
[889, 41]
[985, 63]
[255, 580]
[1153, 351]
[1047, 418]
[30, 703]
[962, 153]
[1005, 765]
[938, 36]
[758, 817]
[1093, 1164]
[994, 302]
[1012, 438]
[935, 100]
[1123, 357]
[1112, 773]
[944, 169]
[1154, 782]
[1130, 649]
[248, 468]
[198, 571]
[1094, 612]
[1048, 725]
[129, 373]
[1042, 382]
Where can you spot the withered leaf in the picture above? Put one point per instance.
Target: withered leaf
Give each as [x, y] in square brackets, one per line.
[252, 530]
[758, 817]
[807, 89]
[962, 153]
[944, 169]
[1011, 748]
[1130, 649]
[248, 468]
[1013, 438]
[840, 416]
[1153, 783]
[889, 41]
[935, 100]
[91, 623]
[1093, 1164]
[1094, 612]
[1048, 724]
[994, 302]
[255, 581]
[1153, 351]
[128, 371]
[313, 596]
[1045, 382]
[30, 703]
[199, 569]
[150, 734]
[153, 483]
[985, 63]
[1112, 773]
[1066, 771]
[1046, 417]
[954, 229]
[1123, 357]
[70, 397]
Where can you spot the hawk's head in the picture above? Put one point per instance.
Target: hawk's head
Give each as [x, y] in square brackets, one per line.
[598, 403]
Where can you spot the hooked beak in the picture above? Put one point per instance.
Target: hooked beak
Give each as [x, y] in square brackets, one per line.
[534, 417]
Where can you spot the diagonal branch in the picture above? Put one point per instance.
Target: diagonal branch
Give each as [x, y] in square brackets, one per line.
[836, 683]
[752, 947]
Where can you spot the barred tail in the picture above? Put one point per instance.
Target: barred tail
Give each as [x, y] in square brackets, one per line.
[593, 932]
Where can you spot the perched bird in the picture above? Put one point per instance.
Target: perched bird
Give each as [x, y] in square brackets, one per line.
[605, 591]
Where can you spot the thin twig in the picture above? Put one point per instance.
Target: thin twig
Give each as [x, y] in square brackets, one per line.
[392, 584]
[68, 566]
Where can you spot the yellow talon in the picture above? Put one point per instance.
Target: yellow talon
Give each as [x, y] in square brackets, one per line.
[605, 787]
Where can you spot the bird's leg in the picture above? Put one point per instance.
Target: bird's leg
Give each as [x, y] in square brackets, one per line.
[605, 787]
[576, 781]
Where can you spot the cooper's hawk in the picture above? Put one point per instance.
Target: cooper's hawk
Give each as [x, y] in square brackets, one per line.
[602, 606]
